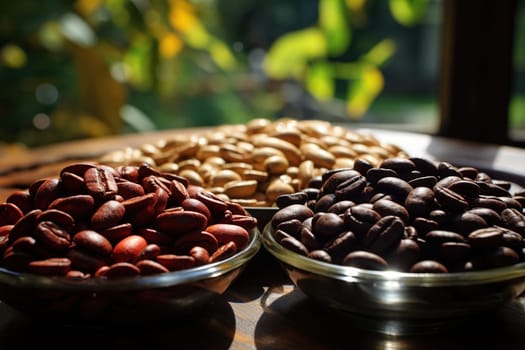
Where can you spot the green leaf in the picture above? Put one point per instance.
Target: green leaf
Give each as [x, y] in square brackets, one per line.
[364, 90]
[408, 12]
[335, 24]
[290, 53]
[320, 81]
[222, 55]
[380, 53]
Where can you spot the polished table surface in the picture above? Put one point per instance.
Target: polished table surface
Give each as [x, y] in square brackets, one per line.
[261, 309]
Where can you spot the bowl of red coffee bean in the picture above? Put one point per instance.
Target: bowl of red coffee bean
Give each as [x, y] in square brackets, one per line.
[126, 243]
[411, 245]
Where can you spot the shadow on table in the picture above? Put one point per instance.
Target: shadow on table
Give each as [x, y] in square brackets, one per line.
[295, 322]
[211, 327]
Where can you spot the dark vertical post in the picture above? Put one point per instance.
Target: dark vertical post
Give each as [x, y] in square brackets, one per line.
[476, 69]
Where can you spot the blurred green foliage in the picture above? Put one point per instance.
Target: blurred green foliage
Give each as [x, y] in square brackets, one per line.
[90, 68]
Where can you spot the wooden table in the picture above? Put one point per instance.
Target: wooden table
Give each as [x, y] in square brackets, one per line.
[262, 309]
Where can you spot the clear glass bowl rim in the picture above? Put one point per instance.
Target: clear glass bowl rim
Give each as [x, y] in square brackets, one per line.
[354, 274]
[169, 279]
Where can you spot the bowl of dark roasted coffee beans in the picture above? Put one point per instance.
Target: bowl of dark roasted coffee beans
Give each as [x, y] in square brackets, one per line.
[128, 243]
[411, 245]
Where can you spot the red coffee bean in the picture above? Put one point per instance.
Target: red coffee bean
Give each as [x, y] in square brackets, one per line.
[129, 249]
[93, 242]
[200, 255]
[192, 204]
[122, 270]
[150, 267]
[100, 182]
[224, 252]
[52, 235]
[177, 223]
[204, 239]
[79, 206]
[47, 192]
[117, 233]
[22, 199]
[9, 214]
[228, 232]
[109, 214]
[59, 217]
[50, 267]
[175, 262]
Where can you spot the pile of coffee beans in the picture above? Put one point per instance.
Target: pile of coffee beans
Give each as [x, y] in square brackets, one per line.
[407, 214]
[93, 220]
[255, 163]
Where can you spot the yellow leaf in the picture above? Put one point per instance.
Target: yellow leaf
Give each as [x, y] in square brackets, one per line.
[86, 7]
[380, 53]
[335, 24]
[355, 5]
[13, 56]
[363, 91]
[182, 15]
[170, 45]
[408, 12]
[320, 81]
[101, 95]
[222, 55]
[290, 53]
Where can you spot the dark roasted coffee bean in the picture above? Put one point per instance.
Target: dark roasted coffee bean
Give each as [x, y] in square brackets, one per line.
[468, 172]
[365, 260]
[427, 167]
[399, 165]
[341, 245]
[386, 207]
[428, 266]
[403, 255]
[294, 211]
[320, 255]
[438, 237]
[333, 180]
[294, 245]
[502, 256]
[395, 186]
[514, 219]
[292, 227]
[362, 165]
[308, 239]
[375, 174]
[490, 216]
[467, 222]
[450, 200]
[489, 237]
[340, 207]
[387, 232]
[465, 187]
[327, 225]
[446, 169]
[454, 252]
[420, 201]
[289, 199]
[360, 218]
[325, 202]
[423, 181]
[351, 188]
[487, 202]
[423, 225]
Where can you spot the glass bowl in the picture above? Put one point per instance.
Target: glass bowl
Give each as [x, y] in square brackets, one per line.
[399, 303]
[138, 299]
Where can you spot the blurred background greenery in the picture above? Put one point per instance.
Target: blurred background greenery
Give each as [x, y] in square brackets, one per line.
[92, 68]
